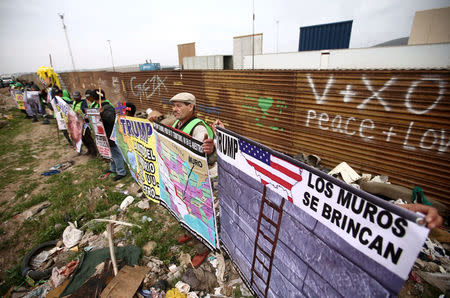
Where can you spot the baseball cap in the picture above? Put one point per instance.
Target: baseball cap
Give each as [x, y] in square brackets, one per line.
[184, 97]
[76, 95]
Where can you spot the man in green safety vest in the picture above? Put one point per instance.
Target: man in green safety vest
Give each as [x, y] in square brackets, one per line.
[184, 110]
[79, 105]
[94, 98]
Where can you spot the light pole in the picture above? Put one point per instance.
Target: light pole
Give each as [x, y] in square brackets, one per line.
[110, 50]
[277, 34]
[61, 15]
[253, 37]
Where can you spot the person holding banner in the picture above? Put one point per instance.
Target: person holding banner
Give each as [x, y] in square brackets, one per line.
[79, 105]
[184, 110]
[108, 116]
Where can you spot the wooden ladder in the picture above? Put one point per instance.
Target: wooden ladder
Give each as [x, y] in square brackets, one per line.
[272, 241]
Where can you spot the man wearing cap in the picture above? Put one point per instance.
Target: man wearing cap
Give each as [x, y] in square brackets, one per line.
[184, 105]
[94, 97]
[79, 105]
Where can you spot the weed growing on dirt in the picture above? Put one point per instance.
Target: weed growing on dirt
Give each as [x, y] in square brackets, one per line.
[26, 189]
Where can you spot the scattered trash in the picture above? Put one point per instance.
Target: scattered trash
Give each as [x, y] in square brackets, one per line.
[60, 275]
[126, 202]
[32, 211]
[71, 236]
[182, 287]
[94, 267]
[125, 192]
[175, 293]
[199, 258]
[52, 172]
[125, 283]
[62, 166]
[185, 260]
[144, 204]
[173, 268]
[200, 279]
[103, 176]
[347, 173]
[18, 169]
[184, 238]
[40, 258]
[149, 247]
[439, 280]
[120, 185]
[38, 271]
[145, 218]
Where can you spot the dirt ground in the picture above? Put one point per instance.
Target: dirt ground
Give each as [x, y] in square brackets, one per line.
[45, 160]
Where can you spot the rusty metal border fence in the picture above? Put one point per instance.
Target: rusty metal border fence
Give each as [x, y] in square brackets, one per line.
[387, 122]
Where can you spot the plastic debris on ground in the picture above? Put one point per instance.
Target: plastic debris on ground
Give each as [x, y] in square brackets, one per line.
[175, 293]
[52, 172]
[126, 202]
[182, 287]
[60, 275]
[32, 211]
[71, 236]
[347, 173]
[144, 204]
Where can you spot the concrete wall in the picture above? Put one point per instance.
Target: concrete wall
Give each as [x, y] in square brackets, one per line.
[242, 46]
[204, 62]
[431, 26]
[185, 50]
[402, 57]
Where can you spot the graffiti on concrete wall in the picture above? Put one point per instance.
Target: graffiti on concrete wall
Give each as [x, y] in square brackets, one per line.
[266, 111]
[435, 139]
[150, 87]
[115, 85]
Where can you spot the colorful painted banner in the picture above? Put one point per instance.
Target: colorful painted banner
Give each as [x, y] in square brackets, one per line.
[73, 122]
[136, 140]
[96, 125]
[26, 103]
[56, 111]
[313, 233]
[18, 98]
[185, 184]
[34, 105]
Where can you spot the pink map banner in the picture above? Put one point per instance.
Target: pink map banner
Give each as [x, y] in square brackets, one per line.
[185, 186]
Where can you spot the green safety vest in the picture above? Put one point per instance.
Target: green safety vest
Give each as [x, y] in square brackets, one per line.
[95, 105]
[193, 123]
[76, 106]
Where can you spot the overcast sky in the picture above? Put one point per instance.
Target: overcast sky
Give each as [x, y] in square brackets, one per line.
[30, 30]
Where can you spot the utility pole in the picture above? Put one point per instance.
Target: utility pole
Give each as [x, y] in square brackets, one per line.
[61, 15]
[110, 50]
[51, 62]
[253, 37]
[277, 34]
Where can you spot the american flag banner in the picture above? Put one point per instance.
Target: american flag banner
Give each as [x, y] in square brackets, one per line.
[271, 169]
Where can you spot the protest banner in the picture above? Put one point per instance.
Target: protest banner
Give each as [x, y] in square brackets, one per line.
[27, 103]
[73, 122]
[34, 105]
[291, 228]
[101, 140]
[185, 184]
[56, 111]
[18, 98]
[12, 92]
[136, 140]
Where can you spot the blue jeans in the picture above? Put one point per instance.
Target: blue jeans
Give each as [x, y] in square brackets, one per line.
[117, 165]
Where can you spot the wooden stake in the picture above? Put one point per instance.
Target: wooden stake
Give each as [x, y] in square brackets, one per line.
[111, 247]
